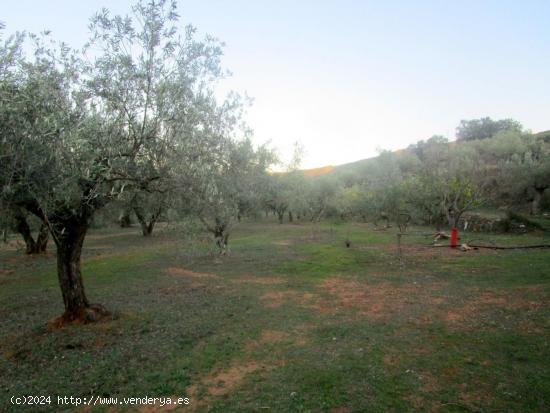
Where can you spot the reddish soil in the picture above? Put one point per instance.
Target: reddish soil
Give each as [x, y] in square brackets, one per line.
[274, 299]
[284, 243]
[189, 273]
[7, 272]
[371, 300]
[92, 314]
[259, 280]
[221, 382]
[267, 337]
[481, 304]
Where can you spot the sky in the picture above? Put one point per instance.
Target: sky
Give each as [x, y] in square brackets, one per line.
[348, 78]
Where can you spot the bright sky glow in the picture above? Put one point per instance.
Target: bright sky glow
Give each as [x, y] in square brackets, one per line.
[347, 77]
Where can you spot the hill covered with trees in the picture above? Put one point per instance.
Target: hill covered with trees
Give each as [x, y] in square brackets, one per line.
[493, 164]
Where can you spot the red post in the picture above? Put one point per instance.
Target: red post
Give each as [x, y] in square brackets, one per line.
[454, 237]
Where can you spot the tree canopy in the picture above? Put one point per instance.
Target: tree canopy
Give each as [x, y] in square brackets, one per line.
[485, 128]
[135, 112]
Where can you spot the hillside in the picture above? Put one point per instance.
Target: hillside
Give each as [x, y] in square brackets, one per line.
[545, 135]
[356, 166]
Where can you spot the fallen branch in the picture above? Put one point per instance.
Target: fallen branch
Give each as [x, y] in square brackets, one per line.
[492, 247]
[517, 247]
[440, 235]
[466, 247]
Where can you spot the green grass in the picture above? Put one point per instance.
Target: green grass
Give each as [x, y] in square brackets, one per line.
[290, 321]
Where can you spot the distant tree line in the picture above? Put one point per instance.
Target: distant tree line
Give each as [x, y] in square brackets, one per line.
[496, 164]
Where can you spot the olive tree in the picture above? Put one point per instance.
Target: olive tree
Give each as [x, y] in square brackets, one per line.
[382, 193]
[485, 128]
[12, 115]
[449, 179]
[22, 225]
[522, 166]
[89, 127]
[321, 196]
[227, 184]
[278, 193]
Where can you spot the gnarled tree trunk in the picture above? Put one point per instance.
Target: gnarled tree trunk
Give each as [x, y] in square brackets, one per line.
[69, 250]
[124, 219]
[220, 229]
[147, 227]
[222, 239]
[69, 243]
[31, 246]
[537, 197]
[68, 230]
[280, 214]
[42, 239]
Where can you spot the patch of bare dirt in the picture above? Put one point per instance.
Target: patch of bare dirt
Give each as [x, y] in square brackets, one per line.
[420, 401]
[259, 280]
[274, 299]
[453, 316]
[100, 342]
[480, 306]
[450, 373]
[188, 285]
[300, 334]
[6, 272]
[417, 402]
[430, 386]
[189, 273]
[531, 288]
[272, 336]
[301, 341]
[284, 243]
[490, 299]
[390, 359]
[221, 382]
[530, 327]
[267, 337]
[473, 396]
[371, 300]
[438, 300]
[422, 404]
[107, 236]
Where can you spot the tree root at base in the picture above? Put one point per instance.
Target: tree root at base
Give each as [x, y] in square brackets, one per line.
[92, 313]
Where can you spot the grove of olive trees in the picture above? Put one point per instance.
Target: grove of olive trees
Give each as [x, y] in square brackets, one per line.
[132, 121]
[132, 116]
